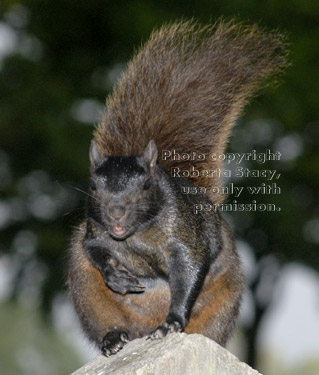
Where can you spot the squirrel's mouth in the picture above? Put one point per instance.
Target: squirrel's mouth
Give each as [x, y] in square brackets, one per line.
[118, 230]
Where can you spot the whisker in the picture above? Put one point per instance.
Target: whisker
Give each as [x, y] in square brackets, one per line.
[82, 191]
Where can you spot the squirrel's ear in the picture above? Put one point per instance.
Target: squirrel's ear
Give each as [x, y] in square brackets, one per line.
[95, 156]
[150, 154]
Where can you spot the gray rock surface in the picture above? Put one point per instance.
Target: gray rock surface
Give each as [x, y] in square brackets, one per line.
[176, 354]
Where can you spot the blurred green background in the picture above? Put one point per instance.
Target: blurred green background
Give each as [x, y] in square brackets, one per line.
[58, 61]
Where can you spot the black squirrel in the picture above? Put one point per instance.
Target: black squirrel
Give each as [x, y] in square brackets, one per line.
[143, 263]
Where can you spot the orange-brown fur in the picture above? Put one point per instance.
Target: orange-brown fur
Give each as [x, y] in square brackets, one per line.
[220, 296]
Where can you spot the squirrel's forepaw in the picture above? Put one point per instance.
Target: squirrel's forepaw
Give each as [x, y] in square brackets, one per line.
[163, 329]
[113, 342]
[123, 282]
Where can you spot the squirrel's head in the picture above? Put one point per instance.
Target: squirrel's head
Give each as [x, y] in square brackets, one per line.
[124, 191]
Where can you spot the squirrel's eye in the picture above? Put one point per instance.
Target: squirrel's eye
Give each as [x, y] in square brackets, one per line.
[92, 184]
[147, 184]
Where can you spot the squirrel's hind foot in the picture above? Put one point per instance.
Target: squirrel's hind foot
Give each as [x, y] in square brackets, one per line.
[170, 326]
[113, 342]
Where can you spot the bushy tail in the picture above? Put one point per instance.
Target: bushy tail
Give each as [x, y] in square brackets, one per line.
[185, 89]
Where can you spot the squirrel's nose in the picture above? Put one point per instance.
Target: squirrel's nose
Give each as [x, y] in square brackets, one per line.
[117, 212]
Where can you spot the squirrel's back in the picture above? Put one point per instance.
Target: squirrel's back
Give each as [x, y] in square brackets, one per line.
[185, 88]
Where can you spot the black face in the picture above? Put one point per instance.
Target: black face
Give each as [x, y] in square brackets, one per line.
[124, 195]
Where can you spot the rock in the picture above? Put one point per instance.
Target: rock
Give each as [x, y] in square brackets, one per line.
[176, 354]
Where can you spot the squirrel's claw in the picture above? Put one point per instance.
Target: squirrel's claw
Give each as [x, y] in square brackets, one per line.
[163, 329]
[113, 342]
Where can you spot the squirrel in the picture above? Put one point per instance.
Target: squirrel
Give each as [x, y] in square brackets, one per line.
[143, 263]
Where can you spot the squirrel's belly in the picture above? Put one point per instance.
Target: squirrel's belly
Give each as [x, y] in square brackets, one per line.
[145, 311]
[135, 313]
